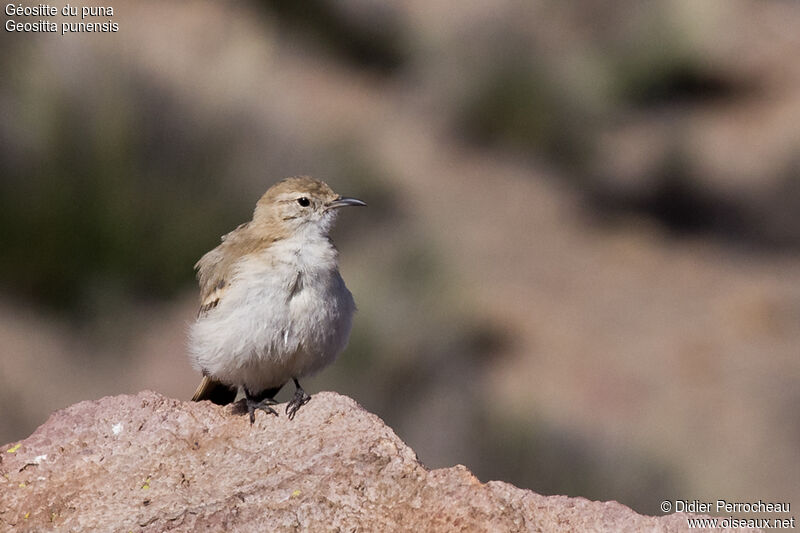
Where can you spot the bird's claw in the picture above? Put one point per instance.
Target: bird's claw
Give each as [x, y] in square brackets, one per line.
[299, 399]
[265, 405]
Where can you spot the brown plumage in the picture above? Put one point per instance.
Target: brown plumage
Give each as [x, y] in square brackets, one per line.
[216, 268]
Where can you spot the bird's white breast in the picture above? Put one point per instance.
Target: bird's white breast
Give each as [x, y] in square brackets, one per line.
[286, 313]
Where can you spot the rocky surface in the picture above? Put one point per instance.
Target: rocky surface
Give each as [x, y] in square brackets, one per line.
[151, 463]
[666, 360]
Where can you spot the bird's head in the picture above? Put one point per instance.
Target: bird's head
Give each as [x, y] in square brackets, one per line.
[300, 204]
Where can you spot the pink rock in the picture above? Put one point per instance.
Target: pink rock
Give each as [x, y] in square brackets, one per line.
[150, 463]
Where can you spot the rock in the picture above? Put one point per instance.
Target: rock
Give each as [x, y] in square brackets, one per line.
[151, 463]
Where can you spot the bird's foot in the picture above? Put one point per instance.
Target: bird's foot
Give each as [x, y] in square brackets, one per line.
[299, 399]
[264, 403]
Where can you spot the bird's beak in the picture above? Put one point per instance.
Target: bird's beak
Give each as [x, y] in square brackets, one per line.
[343, 201]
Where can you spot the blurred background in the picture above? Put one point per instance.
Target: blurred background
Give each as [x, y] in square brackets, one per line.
[580, 267]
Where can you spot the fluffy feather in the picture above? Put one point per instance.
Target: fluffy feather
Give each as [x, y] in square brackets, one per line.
[272, 303]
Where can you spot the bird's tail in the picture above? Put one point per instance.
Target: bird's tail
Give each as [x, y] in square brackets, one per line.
[213, 390]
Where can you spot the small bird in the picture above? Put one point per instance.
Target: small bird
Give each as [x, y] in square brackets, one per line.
[273, 306]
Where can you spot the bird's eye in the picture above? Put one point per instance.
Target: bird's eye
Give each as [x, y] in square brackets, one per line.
[303, 201]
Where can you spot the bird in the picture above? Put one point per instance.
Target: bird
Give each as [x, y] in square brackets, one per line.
[273, 305]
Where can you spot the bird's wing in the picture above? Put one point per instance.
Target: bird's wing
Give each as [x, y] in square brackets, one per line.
[212, 299]
[214, 268]
[214, 272]
[212, 277]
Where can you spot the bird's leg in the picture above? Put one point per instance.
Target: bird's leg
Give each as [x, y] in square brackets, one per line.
[299, 399]
[263, 401]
